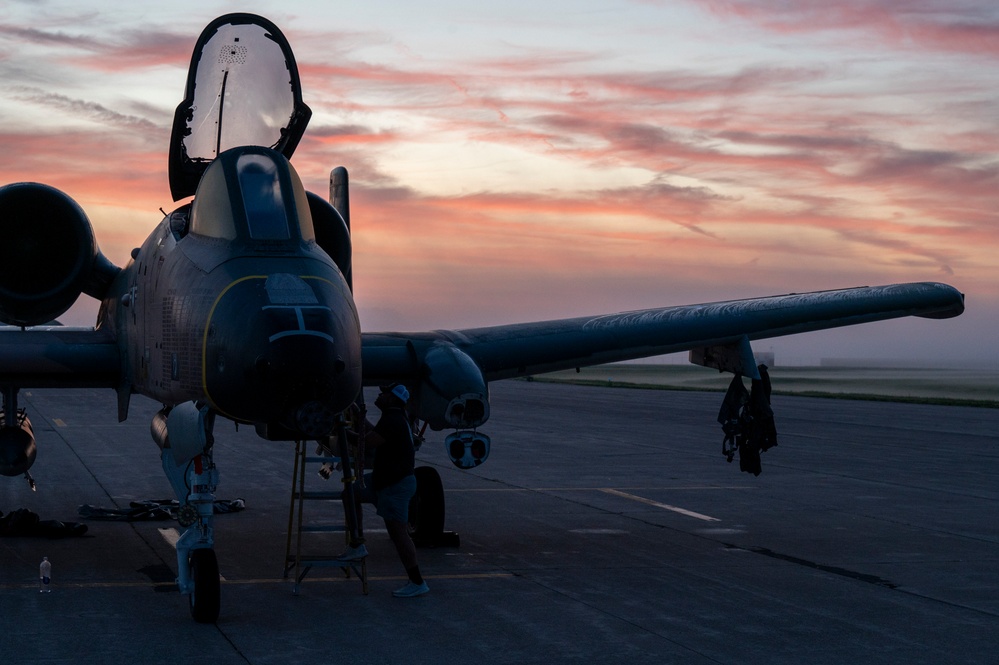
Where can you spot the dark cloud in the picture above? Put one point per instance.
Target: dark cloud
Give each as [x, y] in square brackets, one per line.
[898, 162]
[325, 131]
[50, 37]
[83, 109]
[117, 51]
[802, 142]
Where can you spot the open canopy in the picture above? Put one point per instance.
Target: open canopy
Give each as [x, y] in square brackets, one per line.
[242, 89]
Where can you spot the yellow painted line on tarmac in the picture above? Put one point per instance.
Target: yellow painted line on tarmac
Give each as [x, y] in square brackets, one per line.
[376, 578]
[596, 489]
[664, 506]
[257, 581]
[90, 585]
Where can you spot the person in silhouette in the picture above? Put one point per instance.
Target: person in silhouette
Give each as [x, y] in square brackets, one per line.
[392, 483]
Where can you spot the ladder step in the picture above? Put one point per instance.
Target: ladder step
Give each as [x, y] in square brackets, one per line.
[299, 562]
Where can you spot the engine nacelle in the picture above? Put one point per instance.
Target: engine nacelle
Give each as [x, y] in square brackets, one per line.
[17, 447]
[452, 392]
[48, 253]
[332, 233]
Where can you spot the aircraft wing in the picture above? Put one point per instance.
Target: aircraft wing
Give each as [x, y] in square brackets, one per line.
[506, 351]
[58, 357]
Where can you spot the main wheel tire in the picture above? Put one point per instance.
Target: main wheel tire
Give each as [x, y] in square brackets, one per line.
[426, 508]
[207, 595]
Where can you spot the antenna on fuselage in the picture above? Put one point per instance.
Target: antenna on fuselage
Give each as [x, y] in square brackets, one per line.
[339, 197]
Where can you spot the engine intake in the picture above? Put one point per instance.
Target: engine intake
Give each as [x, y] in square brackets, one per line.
[48, 253]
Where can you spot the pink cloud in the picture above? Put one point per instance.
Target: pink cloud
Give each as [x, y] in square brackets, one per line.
[128, 51]
[90, 166]
[744, 170]
[141, 50]
[924, 187]
[896, 25]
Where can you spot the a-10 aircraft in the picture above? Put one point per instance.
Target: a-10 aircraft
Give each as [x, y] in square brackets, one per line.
[239, 304]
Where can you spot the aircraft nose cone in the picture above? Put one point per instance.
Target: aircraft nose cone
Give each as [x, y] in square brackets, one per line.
[302, 374]
[283, 350]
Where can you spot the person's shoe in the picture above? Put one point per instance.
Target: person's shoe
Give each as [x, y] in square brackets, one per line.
[411, 590]
[353, 554]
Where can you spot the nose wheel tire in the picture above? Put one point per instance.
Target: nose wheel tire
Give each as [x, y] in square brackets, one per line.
[206, 597]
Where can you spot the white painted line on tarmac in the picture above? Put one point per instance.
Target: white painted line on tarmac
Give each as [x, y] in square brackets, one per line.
[171, 536]
[664, 506]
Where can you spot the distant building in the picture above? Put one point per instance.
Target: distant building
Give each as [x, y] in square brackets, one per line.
[764, 358]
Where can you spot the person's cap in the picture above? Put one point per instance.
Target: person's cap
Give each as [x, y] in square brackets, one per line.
[398, 390]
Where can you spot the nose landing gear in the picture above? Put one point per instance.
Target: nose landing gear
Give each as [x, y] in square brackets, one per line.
[184, 434]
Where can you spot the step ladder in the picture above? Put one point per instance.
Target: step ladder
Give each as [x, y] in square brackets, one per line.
[295, 559]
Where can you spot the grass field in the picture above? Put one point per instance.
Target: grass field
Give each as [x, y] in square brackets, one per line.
[933, 386]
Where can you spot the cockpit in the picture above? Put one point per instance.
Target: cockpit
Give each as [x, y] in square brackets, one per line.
[239, 123]
[252, 194]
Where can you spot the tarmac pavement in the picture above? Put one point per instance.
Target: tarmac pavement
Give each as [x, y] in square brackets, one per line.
[606, 526]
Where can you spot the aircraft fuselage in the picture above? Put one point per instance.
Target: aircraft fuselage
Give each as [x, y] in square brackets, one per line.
[263, 331]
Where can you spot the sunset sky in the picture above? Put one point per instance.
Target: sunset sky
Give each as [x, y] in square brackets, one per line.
[518, 161]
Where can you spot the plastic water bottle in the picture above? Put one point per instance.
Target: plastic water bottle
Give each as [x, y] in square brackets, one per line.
[45, 576]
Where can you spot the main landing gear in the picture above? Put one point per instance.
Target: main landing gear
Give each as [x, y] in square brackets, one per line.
[426, 511]
[189, 466]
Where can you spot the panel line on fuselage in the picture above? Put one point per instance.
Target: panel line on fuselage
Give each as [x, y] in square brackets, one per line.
[204, 341]
[211, 314]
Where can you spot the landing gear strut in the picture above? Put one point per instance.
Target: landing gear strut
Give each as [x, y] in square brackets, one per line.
[189, 466]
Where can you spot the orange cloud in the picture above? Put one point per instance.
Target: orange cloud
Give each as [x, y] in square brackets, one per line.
[687, 182]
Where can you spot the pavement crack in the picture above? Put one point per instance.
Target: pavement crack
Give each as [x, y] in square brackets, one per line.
[835, 570]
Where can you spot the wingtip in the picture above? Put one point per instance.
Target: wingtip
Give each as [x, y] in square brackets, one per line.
[951, 302]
